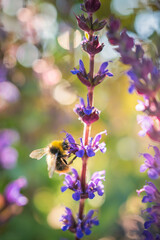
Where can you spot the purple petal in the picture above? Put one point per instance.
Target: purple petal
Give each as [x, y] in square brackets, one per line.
[76, 196]
[75, 71]
[80, 153]
[109, 74]
[79, 233]
[91, 195]
[143, 168]
[64, 188]
[66, 227]
[90, 152]
[75, 173]
[131, 88]
[87, 231]
[103, 67]
[81, 66]
[148, 157]
[152, 173]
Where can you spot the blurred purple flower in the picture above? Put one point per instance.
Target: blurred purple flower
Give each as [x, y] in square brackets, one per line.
[147, 235]
[148, 128]
[152, 164]
[9, 92]
[73, 183]
[3, 73]
[12, 192]
[152, 196]
[8, 155]
[79, 226]
[152, 193]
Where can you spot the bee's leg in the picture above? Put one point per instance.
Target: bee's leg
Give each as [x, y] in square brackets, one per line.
[72, 160]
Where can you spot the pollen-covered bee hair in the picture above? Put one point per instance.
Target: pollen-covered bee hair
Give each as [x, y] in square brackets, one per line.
[57, 156]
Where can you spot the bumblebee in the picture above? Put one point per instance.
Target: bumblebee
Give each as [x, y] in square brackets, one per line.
[57, 156]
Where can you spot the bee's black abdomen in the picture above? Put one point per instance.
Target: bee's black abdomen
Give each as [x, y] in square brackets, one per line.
[53, 150]
[61, 164]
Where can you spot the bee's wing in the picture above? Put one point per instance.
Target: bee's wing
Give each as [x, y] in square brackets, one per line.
[51, 162]
[38, 153]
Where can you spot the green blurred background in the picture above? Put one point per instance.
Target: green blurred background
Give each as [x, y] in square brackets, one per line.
[42, 47]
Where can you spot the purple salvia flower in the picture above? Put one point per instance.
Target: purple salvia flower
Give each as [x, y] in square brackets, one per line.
[12, 192]
[99, 146]
[152, 164]
[73, 183]
[96, 185]
[87, 114]
[81, 74]
[79, 226]
[79, 149]
[68, 221]
[153, 195]
[147, 235]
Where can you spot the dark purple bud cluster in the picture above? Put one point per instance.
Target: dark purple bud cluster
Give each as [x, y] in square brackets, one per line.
[90, 6]
[79, 226]
[92, 46]
[86, 24]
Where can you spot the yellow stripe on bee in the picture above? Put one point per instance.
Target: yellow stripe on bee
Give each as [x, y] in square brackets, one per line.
[58, 144]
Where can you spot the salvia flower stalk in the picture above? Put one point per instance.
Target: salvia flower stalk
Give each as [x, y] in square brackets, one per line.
[145, 79]
[81, 224]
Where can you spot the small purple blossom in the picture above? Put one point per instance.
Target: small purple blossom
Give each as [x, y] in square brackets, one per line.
[153, 212]
[152, 164]
[73, 183]
[152, 193]
[8, 155]
[79, 226]
[68, 221]
[12, 192]
[96, 185]
[102, 73]
[94, 145]
[87, 114]
[81, 74]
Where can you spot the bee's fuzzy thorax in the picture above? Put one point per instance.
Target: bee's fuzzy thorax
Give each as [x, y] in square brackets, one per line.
[58, 145]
